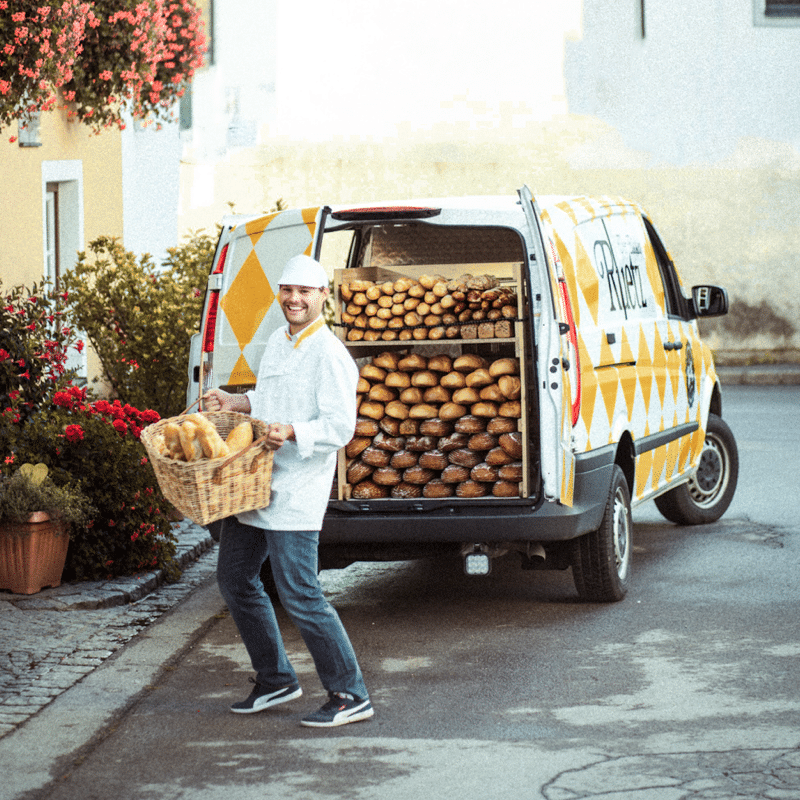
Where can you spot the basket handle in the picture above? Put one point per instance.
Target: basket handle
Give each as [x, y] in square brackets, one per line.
[217, 476]
[191, 406]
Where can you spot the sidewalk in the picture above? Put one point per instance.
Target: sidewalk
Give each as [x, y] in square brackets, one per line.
[53, 639]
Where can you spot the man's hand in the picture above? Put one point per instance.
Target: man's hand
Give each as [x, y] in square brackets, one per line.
[219, 400]
[278, 433]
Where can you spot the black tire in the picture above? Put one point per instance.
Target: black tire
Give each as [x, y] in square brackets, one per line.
[601, 560]
[706, 497]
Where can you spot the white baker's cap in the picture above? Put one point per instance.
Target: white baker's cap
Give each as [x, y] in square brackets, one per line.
[303, 271]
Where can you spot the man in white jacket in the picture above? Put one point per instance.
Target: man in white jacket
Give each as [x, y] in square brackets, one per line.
[306, 390]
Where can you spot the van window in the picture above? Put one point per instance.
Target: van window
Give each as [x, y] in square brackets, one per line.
[677, 305]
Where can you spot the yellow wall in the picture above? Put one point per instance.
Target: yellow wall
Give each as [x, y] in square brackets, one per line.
[21, 230]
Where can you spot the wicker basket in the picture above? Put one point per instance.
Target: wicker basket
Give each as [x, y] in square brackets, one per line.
[208, 490]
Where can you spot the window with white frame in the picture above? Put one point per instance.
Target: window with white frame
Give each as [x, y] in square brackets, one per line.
[776, 12]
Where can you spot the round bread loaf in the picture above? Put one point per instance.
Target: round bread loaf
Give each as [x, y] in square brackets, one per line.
[362, 387]
[419, 444]
[424, 378]
[453, 380]
[485, 409]
[390, 426]
[397, 410]
[452, 442]
[483, 473]
[373, 374]
[492, 393]
[440, 363]
[372, 409]
[482, 441]
[435, 488]
[466, 396]
[451, 411]
[376, 457]
[469, 362]
[412, 395]
[394, 444]
[406, 491]
[387, 359]
[505, 489]
[403, 459]
[433, 459]
[470, 489]
[470, 424]
[418, 475]
[369, 490]
[358, 471]
[435, 427]
[511, 408]
[408, 427]
[398, 380]
[412, 363]
[357, 445]
[386, 476]
[436, 394]
[479, 378]
[512, 444]
[366, 426]
[464, 458]
[382, 393]
[423, 411]
[510, 386]
[510, 472]
[454, 473]
[500, 425]
[504, 366]
[497, 457]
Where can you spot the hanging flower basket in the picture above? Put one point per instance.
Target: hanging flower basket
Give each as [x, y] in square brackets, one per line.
[32, 553]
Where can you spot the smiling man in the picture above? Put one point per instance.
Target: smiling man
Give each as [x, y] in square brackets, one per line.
[306, 390]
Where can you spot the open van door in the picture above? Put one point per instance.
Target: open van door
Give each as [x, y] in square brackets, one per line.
[557, 354]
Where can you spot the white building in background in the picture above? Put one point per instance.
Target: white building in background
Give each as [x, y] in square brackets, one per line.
[690, 108]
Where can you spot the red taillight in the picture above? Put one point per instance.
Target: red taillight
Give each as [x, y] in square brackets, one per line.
[566, 307]
[221, 263]
[211, 322]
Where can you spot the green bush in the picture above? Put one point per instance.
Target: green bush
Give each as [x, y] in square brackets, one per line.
[139, 318]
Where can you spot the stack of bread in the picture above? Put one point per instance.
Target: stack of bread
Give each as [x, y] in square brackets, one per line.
[436, 427]
[431, 307]
[195, 437]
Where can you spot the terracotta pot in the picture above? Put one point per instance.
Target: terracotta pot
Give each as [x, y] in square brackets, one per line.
[32, 554]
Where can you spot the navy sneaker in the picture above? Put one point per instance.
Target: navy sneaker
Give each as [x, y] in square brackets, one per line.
[262, 697]
[340, 709]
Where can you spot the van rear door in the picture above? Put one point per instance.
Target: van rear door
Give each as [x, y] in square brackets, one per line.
[554, 332]
[241, 311]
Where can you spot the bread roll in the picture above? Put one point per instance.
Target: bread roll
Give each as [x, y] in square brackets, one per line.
[450, 411]
[512, 444]
[418, 475]
[500, 425]
[397, 409]
[440, 363]
[372, 373]
[454, 473]
[492, 393]
[382, 393]
[190, 444]
[372, 409]
[423, 411]
[498, 457]
[435, 427]
[483, 473]
[390, 426]
[452, 442]
[511, 408]
[363, 385]
[504, 366]
[398, 380]
[464, 457]
[391, 443]
[369, 490]
[386, 476]
[470, 424]
[408, 427]
[376, 457]
[436, 488]
[453, 380]
[466, 396]
[403, 459]
[387, 360]
[357, 445]
[424, 378]
[510, 472]
[482, 441]
[358, 471]
[172, 441]
[469, 362]
[470, 489]
[485, 409]
[479, 378]
[412, 363]
[436, 394]
[213, 445]
[406, 491]
[419, 444]
[411, 395]
[433, 459]
[505, 489]
[364, 426]
[510, 386]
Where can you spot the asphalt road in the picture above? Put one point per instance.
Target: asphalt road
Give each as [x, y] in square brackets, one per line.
[507, 686]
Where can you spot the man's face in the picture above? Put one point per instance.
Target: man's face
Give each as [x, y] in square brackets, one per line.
[301, 305]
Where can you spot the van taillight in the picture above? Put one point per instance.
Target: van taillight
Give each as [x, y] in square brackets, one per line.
[211, 322]
[566, 307]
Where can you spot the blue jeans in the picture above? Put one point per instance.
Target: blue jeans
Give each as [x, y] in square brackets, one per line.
[293, 558]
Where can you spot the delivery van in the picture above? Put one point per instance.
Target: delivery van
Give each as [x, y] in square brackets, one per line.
[530, 369]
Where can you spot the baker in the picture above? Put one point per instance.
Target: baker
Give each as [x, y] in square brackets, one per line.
[306, 391]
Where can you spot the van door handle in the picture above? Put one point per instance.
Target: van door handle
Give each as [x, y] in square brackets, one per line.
[673, 345]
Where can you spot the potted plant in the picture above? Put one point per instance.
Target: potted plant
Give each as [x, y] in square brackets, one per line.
[35, 521]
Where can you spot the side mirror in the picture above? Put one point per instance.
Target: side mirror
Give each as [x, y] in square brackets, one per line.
[709, 301]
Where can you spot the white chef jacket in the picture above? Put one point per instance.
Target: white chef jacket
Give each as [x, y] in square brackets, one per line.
[308, 381]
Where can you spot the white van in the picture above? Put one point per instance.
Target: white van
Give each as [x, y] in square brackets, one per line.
[530, 369]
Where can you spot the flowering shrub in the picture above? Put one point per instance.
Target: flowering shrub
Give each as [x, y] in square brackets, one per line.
[140, 318]
[34, 342]
[96, 446]
[101, 55]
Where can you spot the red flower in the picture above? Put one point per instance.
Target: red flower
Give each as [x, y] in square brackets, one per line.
[74, 433]
[120, 427]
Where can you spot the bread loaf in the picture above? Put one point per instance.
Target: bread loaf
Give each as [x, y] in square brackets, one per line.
[372, 373]
[357, 445]
[482, 441]
[406, 491]
[454, 473]
[372, 409]
[412, 363]
[423, 411]
[470, 424]
[436, 394]
[364, 427]
[512, 444]
[382, 393]
[358, 471]
[492, 393]
[484, 473]
[403, 459]
[436, 488]
[497, 457]
[484, 408]
[451, 411]
[500, 425]
[172, 441]
[418, 475]
[505, 489]
[419, 444]
[386, 476]
[440, 363]
[369, 490]
[412, 395]
[453, 380]
[511, 408]
[470, 488]
[386, 360]
[435, 427]
[408, 427]
[376, 457]
[398, 380]
[511, 472]
[504, 366]
[433, 459]
[391, 443]
[452, 442]
[510, 386]
[390, 426]
[396, 409]
[192, 449]
[464, 457]
[469, 362]
[424, 378]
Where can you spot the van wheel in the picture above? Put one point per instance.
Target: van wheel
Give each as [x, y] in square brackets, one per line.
[706, 497]
[601, 560]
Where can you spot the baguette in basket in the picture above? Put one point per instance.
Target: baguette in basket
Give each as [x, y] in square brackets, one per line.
[196, 437]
